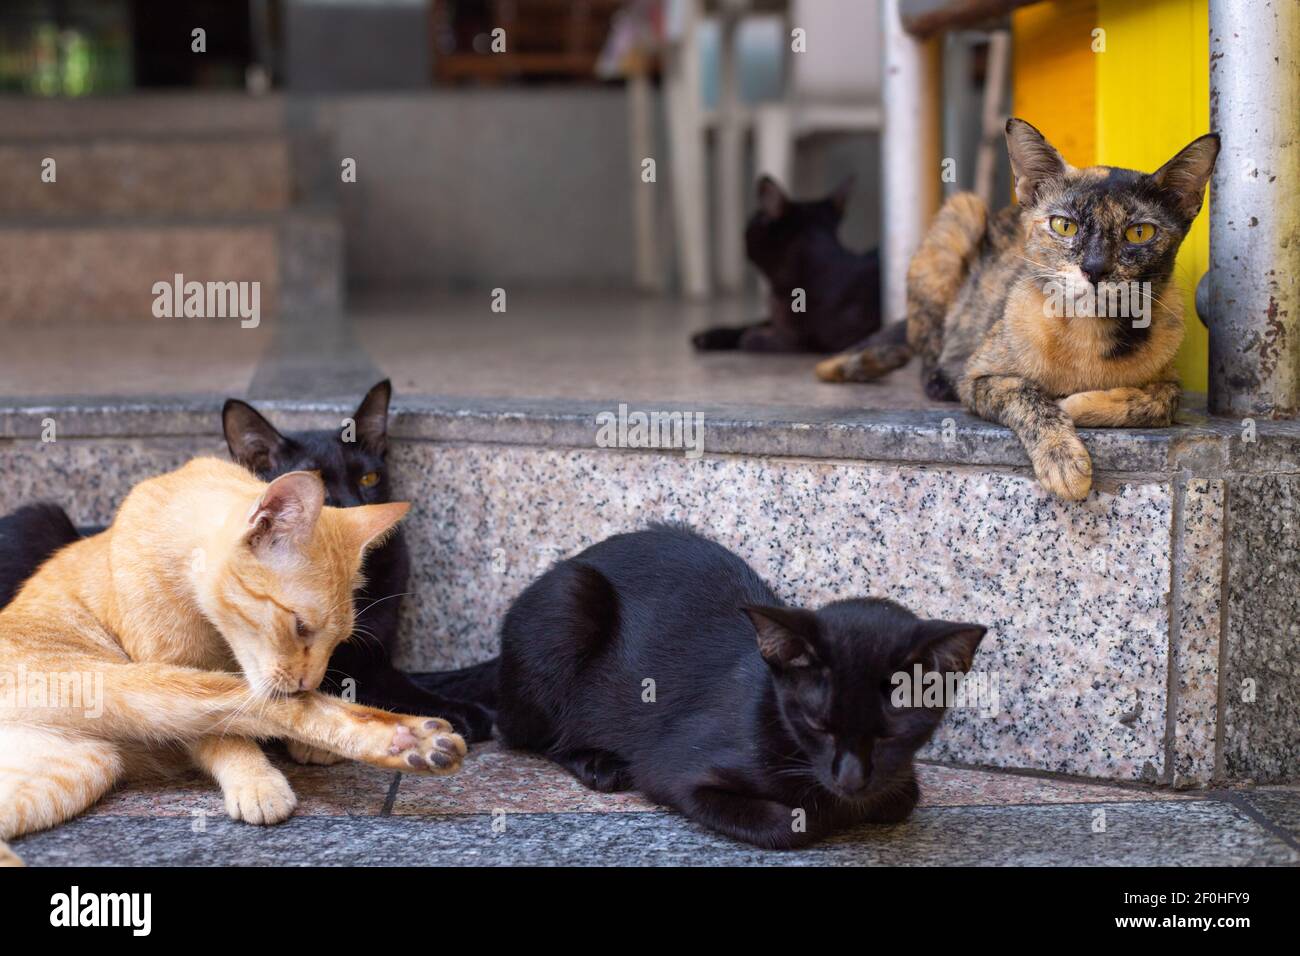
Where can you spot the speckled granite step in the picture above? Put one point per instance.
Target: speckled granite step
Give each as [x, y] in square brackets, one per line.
[146, 175]
[1149, 633]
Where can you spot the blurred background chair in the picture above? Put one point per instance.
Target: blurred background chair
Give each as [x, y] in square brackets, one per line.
[836, 90]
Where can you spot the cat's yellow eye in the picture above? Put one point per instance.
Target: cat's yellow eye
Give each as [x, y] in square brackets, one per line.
[370, 479]
[1062, 226]
[1140, 232]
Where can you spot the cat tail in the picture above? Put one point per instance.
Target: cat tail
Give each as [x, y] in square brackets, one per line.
[934, 277]
[722, 338]
[29, 536]
[873, 357]
[476, 683]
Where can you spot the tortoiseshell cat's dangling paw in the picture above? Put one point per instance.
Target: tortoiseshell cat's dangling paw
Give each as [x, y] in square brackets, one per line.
[865, 365]
[1062, 465]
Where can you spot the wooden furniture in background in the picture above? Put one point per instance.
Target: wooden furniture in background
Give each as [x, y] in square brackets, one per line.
[553, 39]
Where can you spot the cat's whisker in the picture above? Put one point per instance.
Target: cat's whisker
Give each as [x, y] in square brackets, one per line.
[381, 600]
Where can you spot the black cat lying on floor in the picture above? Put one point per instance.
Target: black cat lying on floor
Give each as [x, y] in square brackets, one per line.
[795, 246]
[659, 661]
[354, 473]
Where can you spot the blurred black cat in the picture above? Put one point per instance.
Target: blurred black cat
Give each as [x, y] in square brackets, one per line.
[659, 661]
[795, 246]
[354, 473]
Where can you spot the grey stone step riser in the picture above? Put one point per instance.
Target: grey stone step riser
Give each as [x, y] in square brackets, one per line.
[173, 114]
[123, 178]
[109, 272]
[1095, 610]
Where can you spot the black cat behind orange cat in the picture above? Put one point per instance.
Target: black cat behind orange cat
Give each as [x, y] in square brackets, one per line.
[659, 661]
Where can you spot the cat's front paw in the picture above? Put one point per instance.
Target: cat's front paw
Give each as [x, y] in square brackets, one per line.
[1063, 467]
[264, 798]
[424, 745]
[833, 369]
[307, 754]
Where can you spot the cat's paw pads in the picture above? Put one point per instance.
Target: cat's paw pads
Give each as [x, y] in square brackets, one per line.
[265, 799]
[1064, 468]
[426, 745]
[307, 754]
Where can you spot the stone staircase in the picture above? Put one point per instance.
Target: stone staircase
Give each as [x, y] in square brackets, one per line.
[214, 188]
[1147, 634]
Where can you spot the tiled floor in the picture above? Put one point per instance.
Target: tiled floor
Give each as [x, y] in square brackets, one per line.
[509, 808]
[548, 346]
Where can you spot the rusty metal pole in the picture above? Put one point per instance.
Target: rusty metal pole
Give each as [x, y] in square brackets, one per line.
[1253, 286]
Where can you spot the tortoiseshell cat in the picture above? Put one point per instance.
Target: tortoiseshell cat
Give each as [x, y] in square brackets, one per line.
[796, 248]
[998, 306]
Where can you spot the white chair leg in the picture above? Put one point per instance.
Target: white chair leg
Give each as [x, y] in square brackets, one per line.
[729, 160]
[640, 117]
[774, 143]
[686, 151]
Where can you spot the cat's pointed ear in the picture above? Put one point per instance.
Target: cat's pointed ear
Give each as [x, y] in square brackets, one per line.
[785, 635]
[1186, 175]
[371, 417]
[252, 440]
[1034, 161]
[369, 525]
[945, 646]
[843, 193]
[771, 197]
[285, 515]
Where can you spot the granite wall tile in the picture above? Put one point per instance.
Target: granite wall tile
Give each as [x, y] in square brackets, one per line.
[1261, 714]
[90, 477]
[1075, 595]
[1196, 654]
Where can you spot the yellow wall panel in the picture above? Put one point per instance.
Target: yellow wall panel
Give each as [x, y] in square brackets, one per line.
[1153, 98]
[1053, 74]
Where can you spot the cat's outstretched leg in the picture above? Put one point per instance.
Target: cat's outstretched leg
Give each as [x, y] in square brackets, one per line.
[1059, 458]
[598, 769]
[255, 791]
[872, 358]
[380, 684]
[151, 702]
[764, 823]
[46, 778]
[1151, 405]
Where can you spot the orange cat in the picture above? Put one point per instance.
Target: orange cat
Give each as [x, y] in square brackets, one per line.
[133, 642]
